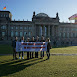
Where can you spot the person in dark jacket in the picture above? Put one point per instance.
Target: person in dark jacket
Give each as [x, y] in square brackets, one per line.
[48, 48]
[36, 53]
[33, 40]
[14, 48]
[28, 51]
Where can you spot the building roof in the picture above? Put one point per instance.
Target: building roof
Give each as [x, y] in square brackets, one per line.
[42, 15]
[5, 11]
[29, 22]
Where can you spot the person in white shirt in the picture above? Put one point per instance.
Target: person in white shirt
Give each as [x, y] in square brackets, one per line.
[22, 40]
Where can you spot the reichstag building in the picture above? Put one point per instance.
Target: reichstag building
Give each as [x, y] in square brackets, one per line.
[41, 24]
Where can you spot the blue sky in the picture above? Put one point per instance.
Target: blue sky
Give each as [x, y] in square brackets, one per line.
[23, 9]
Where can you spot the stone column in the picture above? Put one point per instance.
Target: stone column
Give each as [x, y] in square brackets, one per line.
[7, 31]
[19, 31]
[33, 30]
[53, 31]
[43, 31]
[58, 35]
[13, 31]
[22, 30]
[49, 31]
[46, 31]
[52, 35]
[39, 30]
[0, 32]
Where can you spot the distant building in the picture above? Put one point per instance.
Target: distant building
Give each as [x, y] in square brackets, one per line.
[41, 24]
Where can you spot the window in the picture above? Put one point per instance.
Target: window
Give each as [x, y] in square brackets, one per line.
[16, 27]
[21, 27]
[3, 33]
[64, 35]
[16, 33]
[25, 34]
[64, 29]
[11, 27]
[73, 29]
[1, 15]
[12, 34]
[6, 15]
[60, 34]
[60, 29]
[67, 35]
[29, 33]
[25, 27]
[75, 34]
[29, 28]
[3, 27]
[67, 29]
[21, 34]
[71, 34]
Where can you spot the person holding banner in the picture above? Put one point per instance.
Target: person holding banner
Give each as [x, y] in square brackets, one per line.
[48, 48]
[42, 52]
[14, 48]
[33, 40]
[22, 40]
[28, 51]
[36, 53]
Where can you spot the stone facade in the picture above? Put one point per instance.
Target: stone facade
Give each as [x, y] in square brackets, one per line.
[41, 24]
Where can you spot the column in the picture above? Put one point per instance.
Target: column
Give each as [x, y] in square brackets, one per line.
[33, 30]
[39, 30]
[22, 30]
[14, 31]
[18, 31]
[49, 31]
[44, 31]
[53, 31]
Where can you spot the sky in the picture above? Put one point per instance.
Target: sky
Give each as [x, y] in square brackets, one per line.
[23, 9]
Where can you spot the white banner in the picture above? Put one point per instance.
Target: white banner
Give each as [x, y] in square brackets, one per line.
[31, 46]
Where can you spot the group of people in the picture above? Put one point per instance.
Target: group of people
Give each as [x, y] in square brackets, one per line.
[31, 54]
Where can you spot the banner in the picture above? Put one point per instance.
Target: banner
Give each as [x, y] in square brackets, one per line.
[31, 46]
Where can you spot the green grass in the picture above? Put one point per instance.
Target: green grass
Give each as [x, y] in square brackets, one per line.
[56, 66]
[6, 49]
[65, 50]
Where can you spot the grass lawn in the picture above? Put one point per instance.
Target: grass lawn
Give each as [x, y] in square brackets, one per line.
[65, 50]
[56, 66]
[6, 49]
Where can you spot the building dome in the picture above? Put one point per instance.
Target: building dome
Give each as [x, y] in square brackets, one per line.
[42, 15]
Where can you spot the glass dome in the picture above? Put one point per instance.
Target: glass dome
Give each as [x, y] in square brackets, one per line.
[41, 15]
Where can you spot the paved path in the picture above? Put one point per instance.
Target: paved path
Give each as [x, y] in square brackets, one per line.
[64, 54]
[53, 54]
